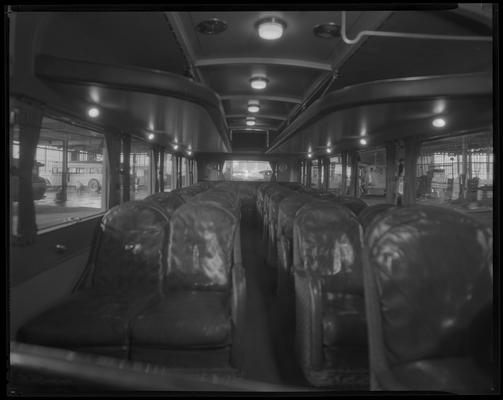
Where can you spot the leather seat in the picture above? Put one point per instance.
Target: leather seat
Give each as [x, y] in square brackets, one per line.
[286, 214]
[204, 290]
[367, 215]
[274, 201]
[428, 277]
[121, 280]
[331, 332]
[170, 201]
[354, 204]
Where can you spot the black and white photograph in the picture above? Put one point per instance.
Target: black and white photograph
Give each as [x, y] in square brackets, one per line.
[252, 199]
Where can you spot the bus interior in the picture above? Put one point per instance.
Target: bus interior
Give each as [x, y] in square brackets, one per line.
[285, 199]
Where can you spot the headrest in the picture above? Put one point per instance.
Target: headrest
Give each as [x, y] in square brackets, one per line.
[200, 253]
[327, 239]
[131, 245]
[167, 200]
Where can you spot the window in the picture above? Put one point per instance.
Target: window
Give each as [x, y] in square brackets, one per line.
[372, 172]
[185, 179]
[456, 171]
[314, 174]
[63, 189]
[168, 172]
[335, 174]
[237, 170]
[140, 170]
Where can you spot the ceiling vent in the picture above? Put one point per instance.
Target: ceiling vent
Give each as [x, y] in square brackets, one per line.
[211, 26]
[327, 31]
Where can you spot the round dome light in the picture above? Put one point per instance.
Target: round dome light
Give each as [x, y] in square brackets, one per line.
[270, 28]
[439, 122]
[363, 141]
[259, 82]
[175, 146]
[151, 136]
[309, 155]
[253, 106]
[250, 121]
[189, 152]
[329, 150]
[93, 112]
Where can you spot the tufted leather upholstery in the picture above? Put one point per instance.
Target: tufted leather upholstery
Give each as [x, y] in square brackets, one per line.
[204, 290]
[122, 278]
[331, 329]
[427, 276]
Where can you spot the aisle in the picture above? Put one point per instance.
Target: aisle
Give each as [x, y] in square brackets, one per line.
[269, 354]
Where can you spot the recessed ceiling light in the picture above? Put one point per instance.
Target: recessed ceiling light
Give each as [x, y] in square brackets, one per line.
[151, 136]
[327, 31]
[250, 121]
[363, 141]
[93, 112]
[211, 26]
[309, 155]
[258, 82]
[270, 28]
[189, 152]
[329, 150]
[175, 146]
[253, 106]
[439, 122]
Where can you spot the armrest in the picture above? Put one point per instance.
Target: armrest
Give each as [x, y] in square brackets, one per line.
[308, 321]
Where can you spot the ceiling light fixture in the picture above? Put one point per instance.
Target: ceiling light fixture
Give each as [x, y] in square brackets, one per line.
[270, 28]
[253, 106]
[439, 122]
[329, 150]
[151, 136]
[309, 155]
[363, 141]
[250, 121]
[93, 112]
[189, 152]
[259, 82]
[175, 147]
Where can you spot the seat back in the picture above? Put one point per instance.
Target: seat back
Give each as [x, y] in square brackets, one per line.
[129, 249]
[368, 214]
[201, 246]
[354, 204]
[428, 272]
[287, 210]
[272, 213]
[327, 244]
[169, 201]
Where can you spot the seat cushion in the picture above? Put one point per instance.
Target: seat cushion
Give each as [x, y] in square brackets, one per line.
[86, 318]
[344, 320]
[456, 375]
[191, 319]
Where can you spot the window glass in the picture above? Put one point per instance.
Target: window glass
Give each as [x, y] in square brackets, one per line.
[372, 173]
[243, 170]
[457, 172]
[335, 174]
[140, 169]
[64, 188]
[185, 180]
[314, 174]
[168, 172]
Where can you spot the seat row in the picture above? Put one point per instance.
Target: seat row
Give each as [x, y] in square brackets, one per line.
[403, 294]
[164, 283]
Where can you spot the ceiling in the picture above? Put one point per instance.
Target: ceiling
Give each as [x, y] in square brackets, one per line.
[300, 66]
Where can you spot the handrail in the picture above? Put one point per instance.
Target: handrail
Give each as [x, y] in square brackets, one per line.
[406, 35]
